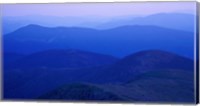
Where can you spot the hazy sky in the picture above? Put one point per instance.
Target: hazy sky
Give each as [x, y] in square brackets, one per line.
[97, 9]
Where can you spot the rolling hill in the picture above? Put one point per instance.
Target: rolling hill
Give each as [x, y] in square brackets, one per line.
[142, 62]
[32, 83]
[67, 59]
[55, 66]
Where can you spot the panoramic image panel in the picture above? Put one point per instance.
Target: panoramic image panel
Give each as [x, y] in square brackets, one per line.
[104, 52]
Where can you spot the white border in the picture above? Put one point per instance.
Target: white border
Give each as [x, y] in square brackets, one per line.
[67, 1]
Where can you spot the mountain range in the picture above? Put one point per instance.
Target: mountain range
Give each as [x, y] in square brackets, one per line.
[117, 42]
[135, 59]
[142, 76]
[179, 21]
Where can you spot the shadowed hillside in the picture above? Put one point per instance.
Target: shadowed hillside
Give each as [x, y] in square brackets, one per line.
[175, 86]
[67, 59]
[145, 61]
[81, 92]
[140, 70]
[11, 57]
[54, 66]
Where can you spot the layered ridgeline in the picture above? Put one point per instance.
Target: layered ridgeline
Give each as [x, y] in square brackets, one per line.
[118, 42]
[126, 63]
[151, 75]
[179, 21]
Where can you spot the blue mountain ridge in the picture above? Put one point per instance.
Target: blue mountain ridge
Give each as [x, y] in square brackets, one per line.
[125, 63]
[180, 21]
[117, 42]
